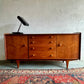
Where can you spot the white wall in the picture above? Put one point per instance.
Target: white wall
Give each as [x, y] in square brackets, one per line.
[44, 16]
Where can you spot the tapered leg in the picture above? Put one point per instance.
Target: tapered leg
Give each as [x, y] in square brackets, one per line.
[18, 62]
[67, 64]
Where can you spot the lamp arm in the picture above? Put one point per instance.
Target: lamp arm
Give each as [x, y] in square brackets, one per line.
[19, 27]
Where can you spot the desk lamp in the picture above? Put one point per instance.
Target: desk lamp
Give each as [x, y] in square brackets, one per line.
[22, 22]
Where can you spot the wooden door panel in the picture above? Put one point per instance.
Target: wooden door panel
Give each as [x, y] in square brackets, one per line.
[17, 47]
[67, 46]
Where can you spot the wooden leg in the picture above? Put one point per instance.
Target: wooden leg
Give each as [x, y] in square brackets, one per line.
[18, 62]
[67, 64]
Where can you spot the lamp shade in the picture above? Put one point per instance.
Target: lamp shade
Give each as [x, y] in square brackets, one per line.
[21, 19]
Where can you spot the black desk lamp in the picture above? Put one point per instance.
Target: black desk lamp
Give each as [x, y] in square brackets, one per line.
[22, 22]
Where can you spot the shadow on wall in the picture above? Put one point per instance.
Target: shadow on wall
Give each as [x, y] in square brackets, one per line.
[9, 28]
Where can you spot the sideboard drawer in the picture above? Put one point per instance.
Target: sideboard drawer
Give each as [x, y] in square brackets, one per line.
[42, 55]
[42, 36]
[42, 42]
[42, 48]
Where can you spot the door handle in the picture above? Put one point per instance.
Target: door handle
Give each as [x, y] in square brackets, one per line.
[59, 45]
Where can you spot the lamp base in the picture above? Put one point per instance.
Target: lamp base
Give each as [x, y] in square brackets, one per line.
[17, 32]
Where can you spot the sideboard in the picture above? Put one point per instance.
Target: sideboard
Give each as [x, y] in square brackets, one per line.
[60, 47]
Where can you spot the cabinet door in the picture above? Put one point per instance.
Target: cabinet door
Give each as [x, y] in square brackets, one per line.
[16, 46]
[68, 46]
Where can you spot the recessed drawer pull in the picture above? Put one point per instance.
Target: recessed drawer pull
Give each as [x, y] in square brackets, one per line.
[32, 37]
[32, 42]
[32, 48]
[50, 41]
[50, 36]
[51, 55]
[33, 55]
[50, 48]
[59, 45]
[23, 46]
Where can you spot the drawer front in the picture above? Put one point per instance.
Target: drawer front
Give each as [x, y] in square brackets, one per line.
[42, 42]
[42, 55]
[42, 47]
[42, 36]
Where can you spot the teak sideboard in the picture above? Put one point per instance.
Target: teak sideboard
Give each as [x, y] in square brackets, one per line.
[62, 47]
